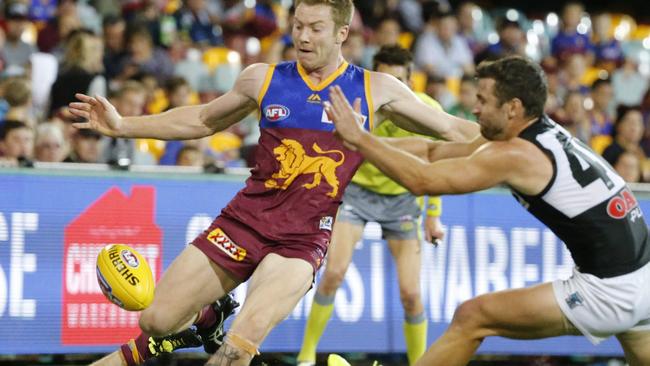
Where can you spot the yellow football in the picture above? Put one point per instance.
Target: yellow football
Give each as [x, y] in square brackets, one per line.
[125, 277]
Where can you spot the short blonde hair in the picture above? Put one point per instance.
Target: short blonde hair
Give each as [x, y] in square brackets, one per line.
[342, 10]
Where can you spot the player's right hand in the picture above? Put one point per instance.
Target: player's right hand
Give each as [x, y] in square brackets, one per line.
[99, 113]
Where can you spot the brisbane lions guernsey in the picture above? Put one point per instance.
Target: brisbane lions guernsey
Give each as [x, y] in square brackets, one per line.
[587, 205]
[301, 169]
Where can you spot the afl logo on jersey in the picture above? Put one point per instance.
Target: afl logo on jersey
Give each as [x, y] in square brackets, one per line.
[276, 112]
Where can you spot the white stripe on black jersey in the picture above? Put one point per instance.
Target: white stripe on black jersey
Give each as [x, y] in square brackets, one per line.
[587, 205]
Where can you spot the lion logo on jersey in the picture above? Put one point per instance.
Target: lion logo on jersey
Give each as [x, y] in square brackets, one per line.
[294, 161]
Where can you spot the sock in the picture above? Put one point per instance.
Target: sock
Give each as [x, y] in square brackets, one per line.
[415, 335]
[136, 351]
[321, 311]
[207, 317]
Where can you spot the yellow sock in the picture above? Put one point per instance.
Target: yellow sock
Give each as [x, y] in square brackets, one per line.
[415, 335]
[321, 311]
[336, 360]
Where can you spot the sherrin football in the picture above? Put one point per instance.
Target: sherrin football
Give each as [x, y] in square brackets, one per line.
[125, 277]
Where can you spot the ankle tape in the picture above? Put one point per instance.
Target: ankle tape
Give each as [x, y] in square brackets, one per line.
[242, 343]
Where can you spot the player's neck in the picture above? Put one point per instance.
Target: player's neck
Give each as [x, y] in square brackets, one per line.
[522, 125]
[319, 74]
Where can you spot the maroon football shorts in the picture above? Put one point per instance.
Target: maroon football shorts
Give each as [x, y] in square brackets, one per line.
[238, 249]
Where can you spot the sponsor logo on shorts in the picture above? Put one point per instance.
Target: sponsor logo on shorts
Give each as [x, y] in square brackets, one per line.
[406, 223]
[575, 299]
[130, 258]
[326, 223]
[276, 112]
[223, 242]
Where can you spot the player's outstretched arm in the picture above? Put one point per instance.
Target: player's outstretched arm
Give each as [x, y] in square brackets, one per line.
[491, 164]
[404, 108]
[189, 122]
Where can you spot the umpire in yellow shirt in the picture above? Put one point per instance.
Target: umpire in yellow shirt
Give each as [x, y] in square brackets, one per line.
[372, 196]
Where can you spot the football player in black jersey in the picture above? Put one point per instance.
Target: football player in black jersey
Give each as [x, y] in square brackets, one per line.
[561, 182]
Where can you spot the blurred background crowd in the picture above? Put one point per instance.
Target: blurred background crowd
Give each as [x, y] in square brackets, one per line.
[147, 56]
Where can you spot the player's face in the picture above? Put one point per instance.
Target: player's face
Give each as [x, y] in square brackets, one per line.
[490, 113]
[398, 71]
[315, 36]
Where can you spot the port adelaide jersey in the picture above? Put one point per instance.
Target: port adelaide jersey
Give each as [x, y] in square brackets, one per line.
[587, 205]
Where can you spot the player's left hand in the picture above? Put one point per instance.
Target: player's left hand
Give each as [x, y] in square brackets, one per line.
[347, 119]
[433, 232]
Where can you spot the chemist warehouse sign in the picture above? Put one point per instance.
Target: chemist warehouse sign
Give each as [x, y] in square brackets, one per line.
[53, 225]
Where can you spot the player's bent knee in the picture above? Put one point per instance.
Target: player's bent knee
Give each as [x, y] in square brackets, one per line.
[154, 323]
[468, 317]
[332, 279]
[411, 299]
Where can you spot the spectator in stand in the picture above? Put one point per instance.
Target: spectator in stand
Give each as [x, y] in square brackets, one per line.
[385, 34]
[50, 145]
[16, 144]
[59, 27]
[195, 20]
[569, 40]
[17, 91]
[178, 92]
[436, 88]
[628, 83]
[629, 166]
[554, 99]
[353, 48]
[600, 117]
[114, 51]
[144, 57]
[42, 10]
[512, 42]
[81, 69]
[466, 98]
[15, 51]
[129, 100]
[573, 116]
[467, 27]
[628, 132]
[608, 52]
[439, 50]
[572, 73]
[190, 156]
[240, 23]
[645, 111]
[86, 147]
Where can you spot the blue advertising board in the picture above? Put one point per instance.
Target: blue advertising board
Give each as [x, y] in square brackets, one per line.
[52, 225]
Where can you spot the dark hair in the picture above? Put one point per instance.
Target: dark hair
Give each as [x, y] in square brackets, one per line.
[185, 149]
[175, 82]
[393, 55]
[10, 125]
[468, 78]
[517, 77]
[112, 19]
[622, 111]
[599, 82]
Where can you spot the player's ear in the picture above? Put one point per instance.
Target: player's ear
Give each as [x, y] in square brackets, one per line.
[342, 34]
[516, 108]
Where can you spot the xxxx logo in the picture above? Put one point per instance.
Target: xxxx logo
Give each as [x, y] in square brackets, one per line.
[294, 162]
[223, 242]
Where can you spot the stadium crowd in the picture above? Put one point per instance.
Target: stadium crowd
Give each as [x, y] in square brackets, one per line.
[149, 56]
